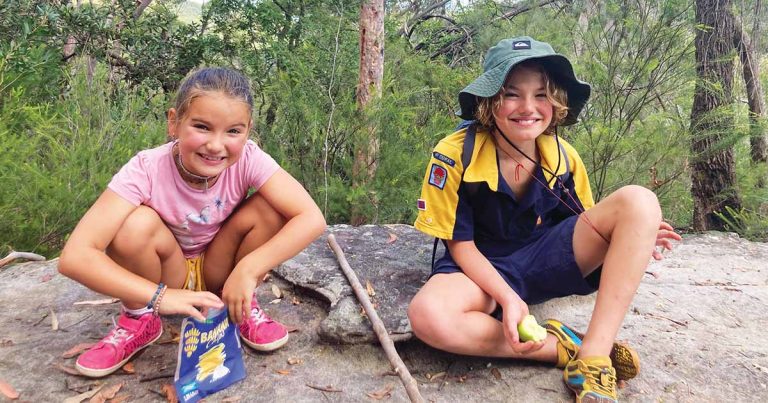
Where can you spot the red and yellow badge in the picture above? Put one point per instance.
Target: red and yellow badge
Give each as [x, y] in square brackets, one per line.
[437, 176]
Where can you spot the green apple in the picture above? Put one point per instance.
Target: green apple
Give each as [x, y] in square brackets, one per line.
[529, 330]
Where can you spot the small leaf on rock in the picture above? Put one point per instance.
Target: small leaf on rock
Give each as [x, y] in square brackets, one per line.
[68, 370]
[97, 301]
[295, 300]
[8, 390]
[496, 374]
[392, 238]
[77, 349]
[121, 398]
[295, 361]
[170, 393]
[291, 329]
[231, 399]
[283, 371]
[129, 368]
[382, 393]
[106, 393]
[275, 301]
[87, 395]
[54, 321]
[369, 289]
[6, 342]
[276, 291]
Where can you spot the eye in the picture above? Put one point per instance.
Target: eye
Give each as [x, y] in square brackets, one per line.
[200, 126]
[234, 132]
[510, 95]
[542, 95]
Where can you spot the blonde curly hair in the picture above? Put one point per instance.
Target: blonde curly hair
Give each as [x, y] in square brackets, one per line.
[556, 95]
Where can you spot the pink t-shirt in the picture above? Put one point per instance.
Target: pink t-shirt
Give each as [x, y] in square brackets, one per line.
[194, 216]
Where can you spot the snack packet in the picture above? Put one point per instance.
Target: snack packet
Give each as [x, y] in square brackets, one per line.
[210, 357]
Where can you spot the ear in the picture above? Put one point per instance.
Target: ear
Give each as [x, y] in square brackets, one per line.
[172, 116]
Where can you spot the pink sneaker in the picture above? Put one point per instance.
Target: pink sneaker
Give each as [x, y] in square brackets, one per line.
[129, 336]
[260, 332]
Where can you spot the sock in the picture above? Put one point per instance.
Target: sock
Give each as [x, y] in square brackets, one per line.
[135, 313]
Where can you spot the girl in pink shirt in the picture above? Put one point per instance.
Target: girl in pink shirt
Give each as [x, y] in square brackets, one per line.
[175, 229]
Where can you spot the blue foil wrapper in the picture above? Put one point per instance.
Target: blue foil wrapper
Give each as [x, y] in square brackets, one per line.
[210, 357]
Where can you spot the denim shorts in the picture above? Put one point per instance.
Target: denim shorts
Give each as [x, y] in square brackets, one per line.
[541, 270]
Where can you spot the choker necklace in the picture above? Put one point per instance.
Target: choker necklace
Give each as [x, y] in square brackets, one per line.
[193, 178]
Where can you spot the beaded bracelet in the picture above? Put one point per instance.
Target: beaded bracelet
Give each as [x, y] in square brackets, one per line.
[156, 306]
[154, 297]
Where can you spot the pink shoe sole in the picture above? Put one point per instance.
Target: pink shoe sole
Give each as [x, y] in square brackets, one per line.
[267, 346]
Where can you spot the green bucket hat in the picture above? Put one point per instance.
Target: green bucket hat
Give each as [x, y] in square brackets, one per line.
[500, 60]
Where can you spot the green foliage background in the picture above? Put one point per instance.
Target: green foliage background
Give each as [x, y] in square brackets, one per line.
[68, 124]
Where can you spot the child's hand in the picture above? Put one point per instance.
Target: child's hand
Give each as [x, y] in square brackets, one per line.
[238, 292]
[186, 302]
[663, 239]
[513, 313]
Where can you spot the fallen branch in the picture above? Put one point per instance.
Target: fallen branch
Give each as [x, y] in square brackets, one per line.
[411, 387]
[20, 255]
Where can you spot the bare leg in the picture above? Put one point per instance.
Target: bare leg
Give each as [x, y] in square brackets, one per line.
[451, 313]
[250, 226]
[145, 246]
[630, 219]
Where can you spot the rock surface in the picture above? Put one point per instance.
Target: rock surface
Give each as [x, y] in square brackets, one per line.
[697, 323]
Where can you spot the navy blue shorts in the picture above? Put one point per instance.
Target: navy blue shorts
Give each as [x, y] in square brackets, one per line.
[539, 271]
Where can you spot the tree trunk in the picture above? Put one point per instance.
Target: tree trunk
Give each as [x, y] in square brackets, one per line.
[750, 70]
[712, 171]
[368, 87]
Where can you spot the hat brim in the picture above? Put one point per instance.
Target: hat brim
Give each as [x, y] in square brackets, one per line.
[557, 67]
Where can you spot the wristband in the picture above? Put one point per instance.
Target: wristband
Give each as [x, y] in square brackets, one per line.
[151, 303]
[156, 306]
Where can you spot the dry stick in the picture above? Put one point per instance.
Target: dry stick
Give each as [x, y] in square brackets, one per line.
[378, 326]
[20, 255]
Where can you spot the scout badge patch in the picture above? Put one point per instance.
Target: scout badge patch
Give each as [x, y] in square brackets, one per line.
[210, 357]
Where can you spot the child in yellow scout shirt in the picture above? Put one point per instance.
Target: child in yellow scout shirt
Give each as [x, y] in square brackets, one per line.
[512, 203]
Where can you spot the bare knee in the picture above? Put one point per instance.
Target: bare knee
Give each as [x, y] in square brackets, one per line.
[137, 232]
[640, 203]
[429, 322]
[257, 213]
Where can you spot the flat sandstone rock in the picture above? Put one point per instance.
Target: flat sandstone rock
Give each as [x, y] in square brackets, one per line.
[697, 322]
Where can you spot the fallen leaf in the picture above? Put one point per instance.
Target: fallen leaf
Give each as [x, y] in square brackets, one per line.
[123, 397]
[46, 278]
[8, 390]
[54, 321]
[295, 300]
[107, 392]
[435, 376]
[276, 291]
[496, 374]
[291, 329]
[97, 301]
[283, 371]
[87, 395]
[275, 301]
[129, 368]
[68, 370]
[382, 393]
[81, 387]
[77, 349]
[170, 393]
[6, 342]
[231, 399]
[295, 361]
[328, 388]
[392, 238]
[369, 288]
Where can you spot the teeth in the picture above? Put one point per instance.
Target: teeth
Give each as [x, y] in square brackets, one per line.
[208, 157]
[526, 121]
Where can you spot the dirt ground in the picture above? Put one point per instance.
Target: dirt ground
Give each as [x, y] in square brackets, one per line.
[697, 324]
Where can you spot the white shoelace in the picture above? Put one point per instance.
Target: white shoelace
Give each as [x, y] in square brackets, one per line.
[258, 316]
[117, 334]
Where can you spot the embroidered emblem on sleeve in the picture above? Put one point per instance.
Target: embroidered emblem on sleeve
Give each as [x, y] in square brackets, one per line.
[443, 158]
[421, 204]
[437, 176]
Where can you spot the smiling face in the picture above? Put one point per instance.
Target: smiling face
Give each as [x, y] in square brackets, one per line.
[525, 111]
[211, 134]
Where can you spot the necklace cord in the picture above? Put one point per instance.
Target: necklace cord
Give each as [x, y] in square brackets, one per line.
[554, 176]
